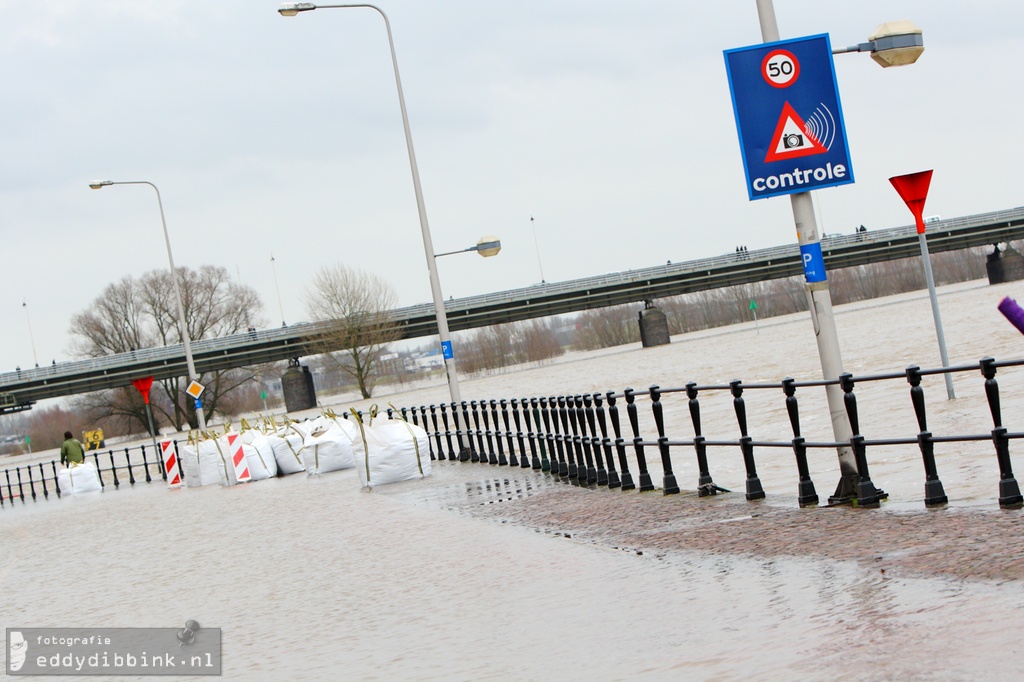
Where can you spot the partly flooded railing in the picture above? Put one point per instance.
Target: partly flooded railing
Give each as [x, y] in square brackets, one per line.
[585, 438]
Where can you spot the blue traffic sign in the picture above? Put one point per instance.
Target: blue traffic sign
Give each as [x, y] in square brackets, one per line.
[446, 350]
[788, 116]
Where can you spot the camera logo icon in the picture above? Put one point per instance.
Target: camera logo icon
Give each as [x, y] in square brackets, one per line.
[792, 141]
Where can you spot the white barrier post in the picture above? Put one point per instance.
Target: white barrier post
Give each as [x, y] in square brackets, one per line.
[170, 464]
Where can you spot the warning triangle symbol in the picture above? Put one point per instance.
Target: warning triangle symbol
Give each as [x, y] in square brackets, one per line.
[791, 138]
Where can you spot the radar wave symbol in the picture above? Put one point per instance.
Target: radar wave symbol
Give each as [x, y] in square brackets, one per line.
[822, 126]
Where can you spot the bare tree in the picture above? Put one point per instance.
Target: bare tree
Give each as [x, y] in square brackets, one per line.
[141, 313]
[356, 308]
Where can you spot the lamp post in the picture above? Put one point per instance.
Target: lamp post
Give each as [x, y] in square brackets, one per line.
[487, 246]
[182, 326]
[893, 49]
[31, 337]
[290, 9]
[280, 305]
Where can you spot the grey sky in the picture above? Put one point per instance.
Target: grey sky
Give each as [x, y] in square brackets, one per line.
[608, 122]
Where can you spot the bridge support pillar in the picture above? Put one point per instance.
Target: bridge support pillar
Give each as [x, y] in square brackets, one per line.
[1004, 266]
[653, 326]
[297, 386]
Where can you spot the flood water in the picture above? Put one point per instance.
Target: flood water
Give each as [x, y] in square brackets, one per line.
[314, 578]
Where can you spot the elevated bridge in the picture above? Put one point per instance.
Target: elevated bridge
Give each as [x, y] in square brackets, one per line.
[19, 390]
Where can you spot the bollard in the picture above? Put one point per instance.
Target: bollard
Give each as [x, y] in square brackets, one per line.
[867, 494]
[466, 450]
[113, 469]
[934, 495]
[1009, 491]
[606, 443]
[806, 496]
[502, 461]
[547, 455]
[754, 489]
[705, 485]
[641, 462]
[595, 441]
[669, 480]
[620, 443]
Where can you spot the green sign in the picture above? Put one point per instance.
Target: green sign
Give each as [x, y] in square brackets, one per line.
[753, 306]
[263, 395]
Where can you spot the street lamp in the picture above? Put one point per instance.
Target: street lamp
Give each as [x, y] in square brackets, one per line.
[892, 44]
[290, 9]
[487, 246]
[182, 326]
[31, 338]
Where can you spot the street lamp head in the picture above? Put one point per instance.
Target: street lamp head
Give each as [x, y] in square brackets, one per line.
[896, 43]
[290, 9]
[488, 246]
[96, 184]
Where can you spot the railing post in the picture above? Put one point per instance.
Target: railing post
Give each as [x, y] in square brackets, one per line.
[575, 409]
[452, 455]
[492, 457]
[145, 465]
[934, 495]
[754, 489]
[867, 494]
[554, 439]
[10, 491]
[1009, 491]
[595, 440]
[21, 489]
[31, 483]
[545, 440]
[806, 495]
[606, 444]
[516, 419]
[566, 440]
[56, 483]
[620, 443]
[42, 480]
[585, 441]
[512, 461]
[641, 461]
[466, 450]
[669, 479]
[502, 461]
[547, 455]
[437, 431]
[482, 457]
[705, 485]
[113, 469]
[128, 461]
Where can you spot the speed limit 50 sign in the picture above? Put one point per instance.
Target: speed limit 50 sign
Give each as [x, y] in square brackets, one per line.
[788, 116]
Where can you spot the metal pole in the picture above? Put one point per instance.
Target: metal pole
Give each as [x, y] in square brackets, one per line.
[935, 313]
[186, 341]
[31, 337]
[536, 247]
[428, 246]
[820, 304]
[280, 305]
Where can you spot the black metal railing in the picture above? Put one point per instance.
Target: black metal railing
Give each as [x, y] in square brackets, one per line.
[585, 439]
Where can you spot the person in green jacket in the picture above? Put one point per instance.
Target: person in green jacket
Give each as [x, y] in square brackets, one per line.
[71, 452]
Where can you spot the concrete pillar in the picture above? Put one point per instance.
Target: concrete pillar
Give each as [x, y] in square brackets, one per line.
[653, 326]
[1004, 266]
[297, 386]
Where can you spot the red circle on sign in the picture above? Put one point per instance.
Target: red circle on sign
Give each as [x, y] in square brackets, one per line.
[780, 68]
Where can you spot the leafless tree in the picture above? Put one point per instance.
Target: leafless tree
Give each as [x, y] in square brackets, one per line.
[133, 314]
[356, 308]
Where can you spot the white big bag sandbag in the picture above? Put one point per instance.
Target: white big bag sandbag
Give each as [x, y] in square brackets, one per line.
[78, 479]
[258, 455]
[391, 450]
[329, 448]
[203, 464]
[287, 448]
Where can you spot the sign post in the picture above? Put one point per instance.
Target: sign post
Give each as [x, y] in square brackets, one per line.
[913, 189]
[792, 139]
[143, 386]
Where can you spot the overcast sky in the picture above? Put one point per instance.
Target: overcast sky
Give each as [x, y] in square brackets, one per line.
[610, 123]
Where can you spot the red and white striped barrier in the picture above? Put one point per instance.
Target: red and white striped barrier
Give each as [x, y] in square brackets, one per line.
[171, 464]
[238, 458]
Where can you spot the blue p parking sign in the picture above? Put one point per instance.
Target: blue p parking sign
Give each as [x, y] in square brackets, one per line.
[788, 116]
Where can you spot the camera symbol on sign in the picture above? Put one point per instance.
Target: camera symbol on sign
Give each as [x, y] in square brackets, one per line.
[792, 141]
